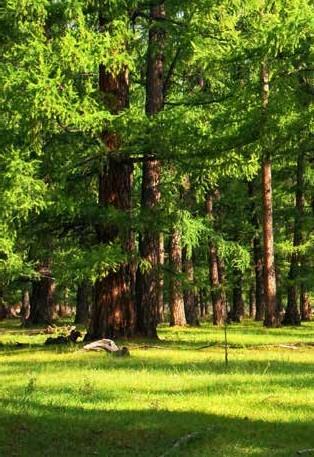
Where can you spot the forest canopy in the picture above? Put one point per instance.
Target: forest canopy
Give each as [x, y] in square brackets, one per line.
[157, 157]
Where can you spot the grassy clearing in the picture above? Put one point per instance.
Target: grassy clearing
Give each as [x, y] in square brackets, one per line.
[65, 402]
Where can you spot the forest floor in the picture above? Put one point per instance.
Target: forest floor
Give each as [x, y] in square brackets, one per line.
[171, 398]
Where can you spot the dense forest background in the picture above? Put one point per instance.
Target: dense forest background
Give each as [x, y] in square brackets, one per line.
[156, 162]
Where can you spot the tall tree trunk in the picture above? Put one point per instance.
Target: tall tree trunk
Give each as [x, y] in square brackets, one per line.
[203, 303]
[176, 303]
[257, 256]
[161, 312]
[190, 298]
[216, 292]
[113, 312]
[237, 312]
[25, 308]
[305, 304]
[271, 312]
[42, 297]
[252, 301]
[3, 308]
[292, 315]
[83, 302]
[148, 281]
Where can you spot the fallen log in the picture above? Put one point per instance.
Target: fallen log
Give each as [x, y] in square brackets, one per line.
[108, 346]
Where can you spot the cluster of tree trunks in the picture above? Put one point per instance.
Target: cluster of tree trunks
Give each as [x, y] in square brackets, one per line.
[129, 300]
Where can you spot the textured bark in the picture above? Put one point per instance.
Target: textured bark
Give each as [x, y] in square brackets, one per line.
[3, 309]
[42, 297]
[271, 312]
[83, 302]
[305, 304]
[25, 307]
[237, 312]
[270, 290]
[252, 301]
[149, 281]
[292, 315]
[216, 292]
[113, 311]
[257, 256]
[190, 297]
[203, 303]
[161, 312]
[176, 303]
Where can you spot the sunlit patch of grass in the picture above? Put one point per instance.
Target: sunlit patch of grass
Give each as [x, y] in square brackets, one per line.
[63, 401]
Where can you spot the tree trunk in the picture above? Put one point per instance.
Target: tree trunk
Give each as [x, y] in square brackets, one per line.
[252, 301]
[271, 312]
[257, 256]
[237, 312]
[190, 298]
[216, 292]
[148, 280]
[176, 303]
[292, 315]
[83, 301]
[42, 298]
[305, 304]
[113, 312]
[161, 313]
[203, 301]
[25, 308]
[3, 308]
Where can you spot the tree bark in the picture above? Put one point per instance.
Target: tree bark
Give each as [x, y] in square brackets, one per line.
[148, 280]
[292, 314]
[204, 303]
[83, 302]
[177, 312]
[216, 292]
[25, 308]
[113, 312]
[42, 297]
[252, 301]
[271, 312]
[305, 304]
[190, 298]
[161, 312]
[237, 312]
[257, 256]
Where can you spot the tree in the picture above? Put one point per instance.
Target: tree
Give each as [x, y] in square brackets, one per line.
[148, 280]
[176, 302]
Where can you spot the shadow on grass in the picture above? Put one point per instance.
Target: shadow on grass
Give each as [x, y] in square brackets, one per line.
[56, 431]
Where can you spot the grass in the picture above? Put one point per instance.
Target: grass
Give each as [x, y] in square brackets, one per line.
[65, 402]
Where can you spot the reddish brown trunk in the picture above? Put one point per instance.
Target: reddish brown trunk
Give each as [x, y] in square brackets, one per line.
[176, 303]
[237, 312]
[216, 291]
[149, 281]
[113, 313]
[271, 312]
[292, 315]
[42, 297]
[25, 308]
[190, 297]
[252, 302]
[257, 256]
[305, 304]
[161, 314]
[83, 302]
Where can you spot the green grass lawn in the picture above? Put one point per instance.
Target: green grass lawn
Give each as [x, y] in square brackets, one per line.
[60, 401]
